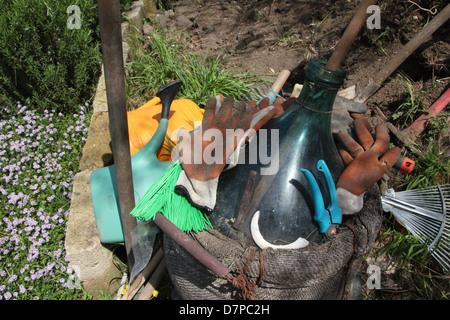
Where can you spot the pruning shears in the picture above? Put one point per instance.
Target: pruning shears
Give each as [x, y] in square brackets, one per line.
[328, 218]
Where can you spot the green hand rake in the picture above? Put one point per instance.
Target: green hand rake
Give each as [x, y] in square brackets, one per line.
[162, 198]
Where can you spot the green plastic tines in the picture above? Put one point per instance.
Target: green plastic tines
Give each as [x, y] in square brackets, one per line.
[161, 197]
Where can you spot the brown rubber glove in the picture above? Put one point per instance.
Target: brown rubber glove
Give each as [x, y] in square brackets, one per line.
[199, 178]
[280, 105]
[203, 153]
[366, 161]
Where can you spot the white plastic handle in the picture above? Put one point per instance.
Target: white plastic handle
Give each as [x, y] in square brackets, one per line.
[263, 244]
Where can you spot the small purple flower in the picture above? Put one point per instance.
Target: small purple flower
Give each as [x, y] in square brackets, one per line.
[12, 278]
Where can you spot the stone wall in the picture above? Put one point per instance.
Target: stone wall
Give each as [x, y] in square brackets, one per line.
[91, 260]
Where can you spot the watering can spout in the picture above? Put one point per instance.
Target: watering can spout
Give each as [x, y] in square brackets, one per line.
[167, 94]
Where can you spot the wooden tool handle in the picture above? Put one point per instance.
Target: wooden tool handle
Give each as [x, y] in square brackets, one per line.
[349, 35]
[403, 53]
[281, 79]
[194, 248]
[412, 45]
[279, 82]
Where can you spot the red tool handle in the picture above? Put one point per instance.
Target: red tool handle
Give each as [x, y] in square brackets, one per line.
[419, 125]
[194, 248]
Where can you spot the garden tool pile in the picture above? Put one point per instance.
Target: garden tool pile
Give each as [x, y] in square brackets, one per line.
[270, 223]
[275, 231]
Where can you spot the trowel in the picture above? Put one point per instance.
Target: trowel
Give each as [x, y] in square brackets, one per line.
[142, 241]
[146, 168]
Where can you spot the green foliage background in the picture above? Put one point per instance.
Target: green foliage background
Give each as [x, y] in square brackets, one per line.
[43, 62]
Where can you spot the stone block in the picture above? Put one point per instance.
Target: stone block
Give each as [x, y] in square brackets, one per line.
[92, 262]
[148, 29]
[149, 8]
[136, 15]
[100, 103]
[97, 151]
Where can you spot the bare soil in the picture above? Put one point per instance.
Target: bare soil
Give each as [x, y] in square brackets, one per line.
[264, 37]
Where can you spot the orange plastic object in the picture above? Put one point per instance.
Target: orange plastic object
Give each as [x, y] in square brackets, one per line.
[143, 122]
[405, 164]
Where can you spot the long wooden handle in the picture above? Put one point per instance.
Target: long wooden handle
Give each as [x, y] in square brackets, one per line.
[111, 40]
[281, 79]
[403, 53]
[349, 35]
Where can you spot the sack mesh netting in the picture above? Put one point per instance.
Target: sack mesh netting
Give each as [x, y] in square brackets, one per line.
[318, 271]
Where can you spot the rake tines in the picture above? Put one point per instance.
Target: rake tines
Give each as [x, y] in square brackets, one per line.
[424, 212]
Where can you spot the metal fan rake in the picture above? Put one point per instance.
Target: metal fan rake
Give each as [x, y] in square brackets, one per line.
[425, 213]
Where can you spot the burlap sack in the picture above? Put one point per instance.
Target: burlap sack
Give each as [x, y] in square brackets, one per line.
[318, 271]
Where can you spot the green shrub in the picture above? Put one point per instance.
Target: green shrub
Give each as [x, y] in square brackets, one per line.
[43, 62]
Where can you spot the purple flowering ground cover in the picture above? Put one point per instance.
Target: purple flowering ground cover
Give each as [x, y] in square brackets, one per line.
[39, 157]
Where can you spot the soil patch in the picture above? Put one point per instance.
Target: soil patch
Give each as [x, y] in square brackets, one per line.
[266, 36]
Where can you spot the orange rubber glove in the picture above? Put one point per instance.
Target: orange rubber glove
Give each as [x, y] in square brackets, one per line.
[367, 161]
[264, 103]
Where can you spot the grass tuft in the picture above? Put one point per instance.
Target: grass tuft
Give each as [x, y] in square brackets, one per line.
[158, 59]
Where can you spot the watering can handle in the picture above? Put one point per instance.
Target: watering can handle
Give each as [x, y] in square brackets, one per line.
[167, 93]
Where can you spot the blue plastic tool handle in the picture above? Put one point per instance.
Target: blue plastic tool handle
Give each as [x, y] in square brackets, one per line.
[333, 207]
[321, 215]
